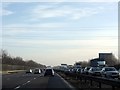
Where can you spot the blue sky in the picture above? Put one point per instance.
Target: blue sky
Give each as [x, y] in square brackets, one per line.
[52, 33]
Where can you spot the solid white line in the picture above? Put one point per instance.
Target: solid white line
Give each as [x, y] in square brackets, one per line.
[66, 82]
[17, 87]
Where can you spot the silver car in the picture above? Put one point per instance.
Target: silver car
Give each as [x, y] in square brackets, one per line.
[79, 70]
[109, 72]
[86, 69]
[119, 74]
[95, 71]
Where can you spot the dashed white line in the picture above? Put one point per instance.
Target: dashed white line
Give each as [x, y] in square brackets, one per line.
[8, 78]
[17, 87]
[23, 84]
[28, 81]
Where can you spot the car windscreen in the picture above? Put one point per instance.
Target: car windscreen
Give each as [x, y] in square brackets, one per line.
[87, 68]
[110, 69]
[96, 69]
[36, 70]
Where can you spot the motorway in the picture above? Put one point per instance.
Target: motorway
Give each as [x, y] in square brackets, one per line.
[21, 80]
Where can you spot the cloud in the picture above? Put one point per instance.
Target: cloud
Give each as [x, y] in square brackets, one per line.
[4, 11]
[65, 11]
[37, 25]
[30, 30]
[57, 31]
[61, 45]
[59, 0]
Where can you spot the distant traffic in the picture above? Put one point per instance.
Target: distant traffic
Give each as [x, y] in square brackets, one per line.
[46, 71]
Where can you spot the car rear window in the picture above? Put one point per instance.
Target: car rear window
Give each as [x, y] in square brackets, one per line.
[36, 69]
[49, 70]
[88, 68]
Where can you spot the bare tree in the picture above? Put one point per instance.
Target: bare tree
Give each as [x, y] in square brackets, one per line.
[7, 59]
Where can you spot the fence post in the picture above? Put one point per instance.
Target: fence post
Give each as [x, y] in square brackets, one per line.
[80, 79]
[91, 82]
[99, 84]
[113, 88]
[76, 76]
[85, 80]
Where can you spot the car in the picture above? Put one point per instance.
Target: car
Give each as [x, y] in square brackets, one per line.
[95, 71]
[42, 70]
[37, 71]
[78, 70]
[74, 70]
[119, 74]
[82, 70]
[49, 72]
[29, 71]
[109, 72]
[86, 69]
[69, 71]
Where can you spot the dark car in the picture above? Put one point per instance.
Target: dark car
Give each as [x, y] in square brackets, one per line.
[37, 71]
[49, 72]
[95, 71]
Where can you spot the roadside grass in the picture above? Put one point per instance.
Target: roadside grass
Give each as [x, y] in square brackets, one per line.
[10, 71]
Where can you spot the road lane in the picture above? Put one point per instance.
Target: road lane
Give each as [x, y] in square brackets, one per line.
[33, 81]
[38, 83]
[15, 80]
[58, 83]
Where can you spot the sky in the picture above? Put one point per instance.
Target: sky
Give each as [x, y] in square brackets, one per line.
[52, 33]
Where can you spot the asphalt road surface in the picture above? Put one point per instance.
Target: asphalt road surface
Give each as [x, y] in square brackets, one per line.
[23, 81]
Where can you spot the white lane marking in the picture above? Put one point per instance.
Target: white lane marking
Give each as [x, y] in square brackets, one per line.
[28, 81]
[23, 84]
[8, 78]
[17, 87]
[66, 82]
